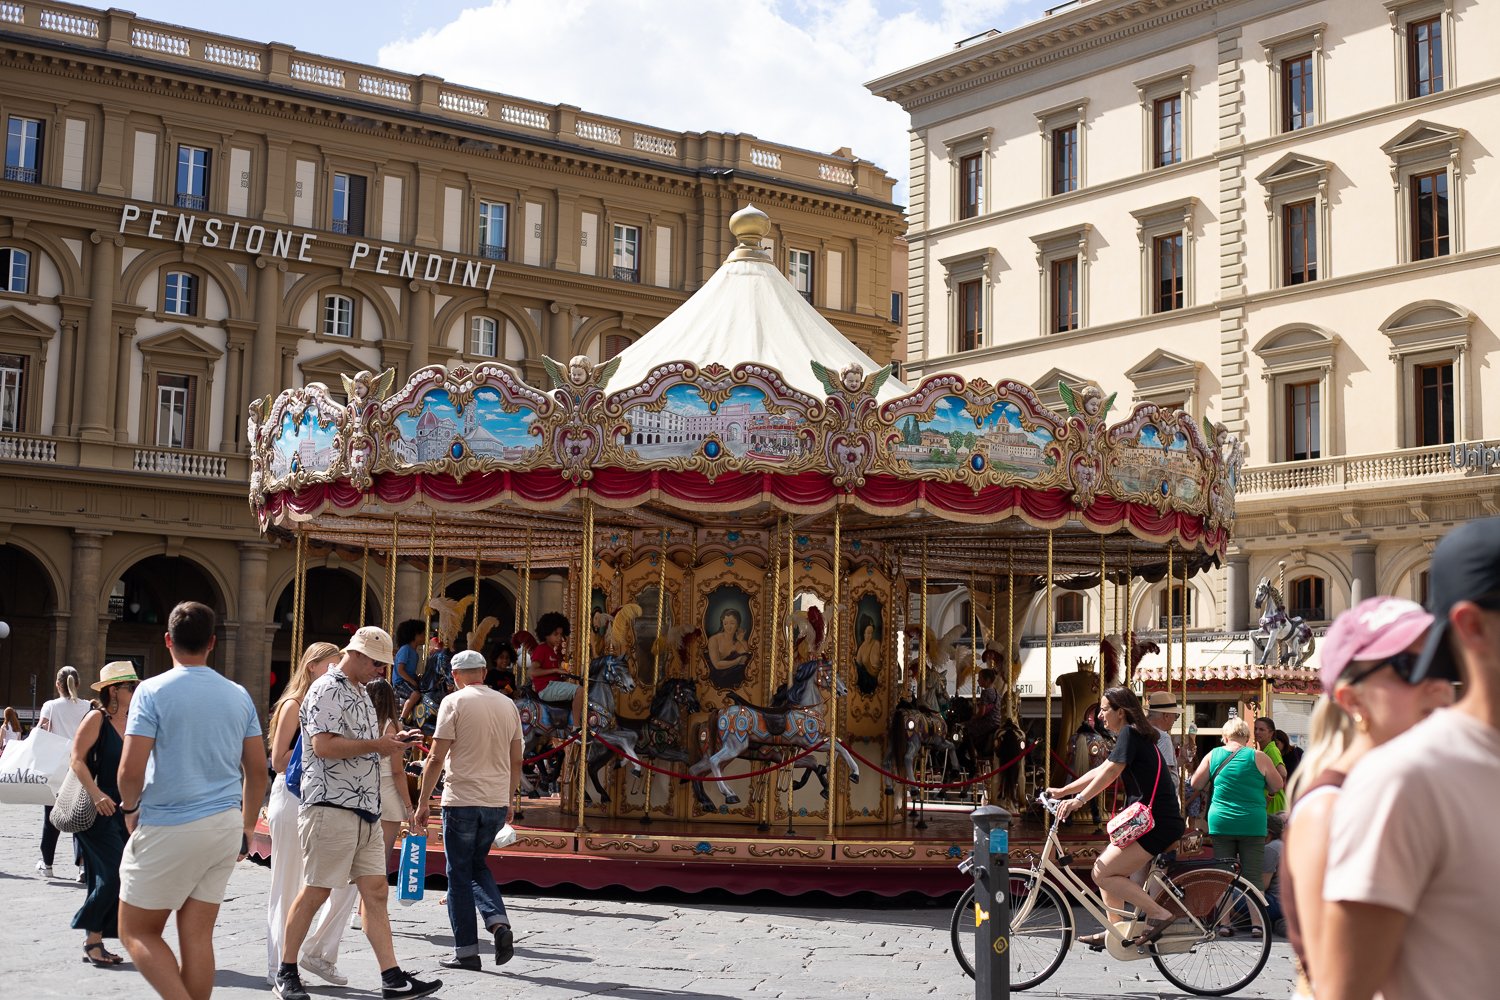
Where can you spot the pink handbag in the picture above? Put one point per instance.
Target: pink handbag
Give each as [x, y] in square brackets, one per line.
[1135, 820]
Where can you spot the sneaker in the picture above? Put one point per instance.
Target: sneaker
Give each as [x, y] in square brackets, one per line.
[469, 962]
[505, 944]
[45, 869]
[354, 922]
[324, 970]
[289, 987]
[413, 987]
[81, 878]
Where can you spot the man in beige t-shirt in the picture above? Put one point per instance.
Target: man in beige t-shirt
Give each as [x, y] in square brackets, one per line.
[478, 736]
[1412, 862]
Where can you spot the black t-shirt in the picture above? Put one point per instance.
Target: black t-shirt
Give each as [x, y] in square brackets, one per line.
[1141, 760]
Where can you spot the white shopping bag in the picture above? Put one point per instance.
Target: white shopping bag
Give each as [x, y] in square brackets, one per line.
[505, 837]
[31, 770]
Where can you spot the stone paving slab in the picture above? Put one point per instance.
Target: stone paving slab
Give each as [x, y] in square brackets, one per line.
[622, 947]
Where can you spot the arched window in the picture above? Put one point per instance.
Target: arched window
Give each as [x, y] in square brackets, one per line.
[1306, 597]
[1424, 581]
[1068, 614]
[1176, 606]
[15, 270]
[338, 316]
[614, 343]
[485, 337]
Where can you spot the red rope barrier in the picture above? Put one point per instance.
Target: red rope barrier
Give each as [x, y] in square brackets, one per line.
[554, 751]
[938, 784]
[1064, 765]
[709, 777]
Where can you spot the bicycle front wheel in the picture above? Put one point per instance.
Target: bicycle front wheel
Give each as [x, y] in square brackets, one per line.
[1039, 940]
[1228, 953]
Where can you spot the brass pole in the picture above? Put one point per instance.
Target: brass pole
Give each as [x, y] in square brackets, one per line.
[1169, 619]
[973, 638]
[1047, 737]
[1012, 696]
[836, 623]
[299, 586]
[1127, 637]
[922, 628]
[775, 553]
[1102, 618]
[525, 622]
[390, 581]
[431, 562]
[661, 610]
[474, 611]
[791, 641]
[364, 576]
[1182, 719]
[586, 610]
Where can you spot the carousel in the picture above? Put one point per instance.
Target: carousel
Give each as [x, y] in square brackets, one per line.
[750, 515]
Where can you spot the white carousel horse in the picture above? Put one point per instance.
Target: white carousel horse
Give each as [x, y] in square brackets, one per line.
[1276, 626]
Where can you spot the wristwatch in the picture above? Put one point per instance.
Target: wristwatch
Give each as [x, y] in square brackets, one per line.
[127, 812]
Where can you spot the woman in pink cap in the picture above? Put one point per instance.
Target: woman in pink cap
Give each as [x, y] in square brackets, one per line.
[1368, 699]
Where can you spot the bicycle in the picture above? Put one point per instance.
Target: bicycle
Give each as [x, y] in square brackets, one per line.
[1218, 946]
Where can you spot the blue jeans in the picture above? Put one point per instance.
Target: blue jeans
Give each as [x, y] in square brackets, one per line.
[468, 834]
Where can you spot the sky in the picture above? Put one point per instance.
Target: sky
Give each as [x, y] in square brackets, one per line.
[787, 71]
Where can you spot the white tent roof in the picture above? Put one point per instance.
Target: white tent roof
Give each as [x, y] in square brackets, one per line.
[748, 311]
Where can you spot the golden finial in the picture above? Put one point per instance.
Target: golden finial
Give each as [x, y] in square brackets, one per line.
[750, 226]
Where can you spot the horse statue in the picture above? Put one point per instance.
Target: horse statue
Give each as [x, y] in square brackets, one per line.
[918, 725]
[658, 736]
[1276, 626]
[793, 720]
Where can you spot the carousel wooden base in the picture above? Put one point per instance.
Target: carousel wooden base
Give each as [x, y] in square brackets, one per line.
[887, 860]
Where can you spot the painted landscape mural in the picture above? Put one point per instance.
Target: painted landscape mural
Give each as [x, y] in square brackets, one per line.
[688, 425]
[953, 437]
[438, 429]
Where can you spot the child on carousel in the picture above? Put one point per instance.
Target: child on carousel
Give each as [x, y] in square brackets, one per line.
[549, 673]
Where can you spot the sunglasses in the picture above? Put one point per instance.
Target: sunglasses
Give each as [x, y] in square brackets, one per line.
[1404, 664]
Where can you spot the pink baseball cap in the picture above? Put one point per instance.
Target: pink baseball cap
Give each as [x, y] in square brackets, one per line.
[1373, 629]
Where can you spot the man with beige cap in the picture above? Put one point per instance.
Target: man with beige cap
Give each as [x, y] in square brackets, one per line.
[339, 822]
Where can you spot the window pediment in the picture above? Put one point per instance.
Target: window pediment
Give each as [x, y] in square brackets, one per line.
[1047, 391]
[15, 323]
[1074, 237]
[333, 363]
[1296, 348]
[1179, 212]
[1162, 370]
[182, 345]
[1295, 170]
[1422, 140]
[1428, 325]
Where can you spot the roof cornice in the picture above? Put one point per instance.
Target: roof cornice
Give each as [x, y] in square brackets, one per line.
[1062, 36]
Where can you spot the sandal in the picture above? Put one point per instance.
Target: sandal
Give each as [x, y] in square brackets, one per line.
[1225, 931]
[1094, 942]
[104, 960]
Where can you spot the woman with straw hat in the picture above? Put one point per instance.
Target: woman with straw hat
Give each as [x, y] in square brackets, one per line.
[96, 761]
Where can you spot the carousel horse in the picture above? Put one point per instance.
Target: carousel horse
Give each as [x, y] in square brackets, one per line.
[1276, 626]
[658, 736]
[794, 719]
[1010, 743]
[609, 671]
[917, 726]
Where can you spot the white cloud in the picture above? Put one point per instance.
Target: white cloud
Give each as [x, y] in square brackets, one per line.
[790, 72]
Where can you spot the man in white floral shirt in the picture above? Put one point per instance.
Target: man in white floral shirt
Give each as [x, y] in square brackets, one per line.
[339, 823]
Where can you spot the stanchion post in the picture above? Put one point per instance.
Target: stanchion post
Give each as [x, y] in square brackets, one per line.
[991, 903]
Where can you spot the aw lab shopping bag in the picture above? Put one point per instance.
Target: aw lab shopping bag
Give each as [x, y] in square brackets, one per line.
[32, 770]
[411, 877]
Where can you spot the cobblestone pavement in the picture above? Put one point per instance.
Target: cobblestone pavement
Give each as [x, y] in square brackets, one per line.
[629, 947]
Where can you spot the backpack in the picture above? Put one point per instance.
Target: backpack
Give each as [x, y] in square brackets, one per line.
[294, 767]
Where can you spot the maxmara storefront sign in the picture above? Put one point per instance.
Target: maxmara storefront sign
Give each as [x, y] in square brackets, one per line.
[294, 244]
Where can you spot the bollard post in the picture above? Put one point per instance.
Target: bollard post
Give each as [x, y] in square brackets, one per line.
[991, 903]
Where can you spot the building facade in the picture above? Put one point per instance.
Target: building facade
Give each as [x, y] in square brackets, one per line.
[192, 222]
[1272, 213]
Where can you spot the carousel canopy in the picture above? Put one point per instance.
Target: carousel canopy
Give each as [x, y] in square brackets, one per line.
[749, 311]
[740, 410]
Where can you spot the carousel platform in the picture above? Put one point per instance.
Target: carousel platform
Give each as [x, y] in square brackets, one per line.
[888, 861]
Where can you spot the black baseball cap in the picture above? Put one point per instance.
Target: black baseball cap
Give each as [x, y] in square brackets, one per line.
[1465, 567]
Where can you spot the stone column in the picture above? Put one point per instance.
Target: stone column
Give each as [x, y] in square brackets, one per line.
[62, 415]
[418, 324]
[265, 361]
[550, 593]
[252, 661]
[411, 593]
[1237, 592]
[123, 345]
[1364, 574]
[233, 412]
[83, 595]
[559, 317]
[99, 347]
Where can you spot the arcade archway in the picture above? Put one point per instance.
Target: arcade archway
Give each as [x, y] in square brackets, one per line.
[27, 605]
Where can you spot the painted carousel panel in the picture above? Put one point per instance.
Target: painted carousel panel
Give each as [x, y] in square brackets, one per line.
[687, 422]
[306, 443]
[439, 428]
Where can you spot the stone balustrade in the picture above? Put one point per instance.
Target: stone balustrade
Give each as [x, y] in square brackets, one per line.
[1353, 471]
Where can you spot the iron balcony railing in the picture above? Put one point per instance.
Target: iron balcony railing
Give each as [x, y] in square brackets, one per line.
[627, 274]
[493, 251]
[25, 175]
[198, 202]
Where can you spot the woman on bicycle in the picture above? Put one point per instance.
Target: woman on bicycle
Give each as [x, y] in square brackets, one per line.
[1363, 705]
[1137, 759]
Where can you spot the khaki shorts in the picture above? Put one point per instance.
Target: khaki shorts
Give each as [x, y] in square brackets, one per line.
[164, 866]
[338, 847]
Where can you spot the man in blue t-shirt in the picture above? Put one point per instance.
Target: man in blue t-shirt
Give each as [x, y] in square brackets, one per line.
[192, 777]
